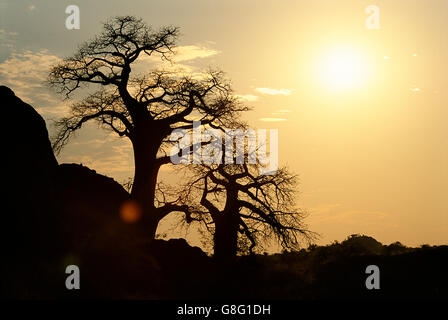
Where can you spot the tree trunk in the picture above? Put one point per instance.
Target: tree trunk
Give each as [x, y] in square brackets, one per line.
[146, 145]
[226, 237]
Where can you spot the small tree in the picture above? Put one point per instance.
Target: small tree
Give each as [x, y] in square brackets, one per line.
[243, 209]
[143, 108]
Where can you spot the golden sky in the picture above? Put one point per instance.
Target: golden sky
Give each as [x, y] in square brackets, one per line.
[361, 113]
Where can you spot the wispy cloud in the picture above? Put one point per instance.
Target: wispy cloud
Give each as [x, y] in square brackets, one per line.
[101, 151]
[272, 92]
[183, 61]
[25, 74]
[192, 52]
[7, 40]
[247, 97]
[183, 54]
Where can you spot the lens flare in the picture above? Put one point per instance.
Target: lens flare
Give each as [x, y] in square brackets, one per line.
[130, 211]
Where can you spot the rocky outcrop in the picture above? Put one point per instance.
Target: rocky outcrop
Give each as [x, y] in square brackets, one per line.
[27, 134]
[30, 235]
[53, 215]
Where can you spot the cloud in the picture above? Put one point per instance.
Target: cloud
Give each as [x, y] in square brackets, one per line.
[25, 74]
[100, 150]
[31, 7]
[247, 97]
[7, 40]
[272, 92]
[27, 68]
[192, 52]
[184, 54]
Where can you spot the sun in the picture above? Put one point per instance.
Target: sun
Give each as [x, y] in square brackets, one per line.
[342, 69]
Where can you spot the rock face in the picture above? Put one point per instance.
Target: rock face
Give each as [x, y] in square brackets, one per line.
[29, 217]
[53, 215]
[27, 133]
[29, 158]
[90, 203]
[109, 252]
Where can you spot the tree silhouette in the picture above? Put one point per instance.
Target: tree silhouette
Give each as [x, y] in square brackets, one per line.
[143, 108]
[244, 209]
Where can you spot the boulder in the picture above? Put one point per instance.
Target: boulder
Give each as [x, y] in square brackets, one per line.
[30, 234]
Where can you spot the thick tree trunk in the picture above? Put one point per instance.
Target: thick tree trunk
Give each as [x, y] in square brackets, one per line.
[146, 145]
[226, 237]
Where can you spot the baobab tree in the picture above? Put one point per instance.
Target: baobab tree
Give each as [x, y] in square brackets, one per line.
[244, 209]
[145, 108]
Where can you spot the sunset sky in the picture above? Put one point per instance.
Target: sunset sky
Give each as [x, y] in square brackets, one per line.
[362, 113]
